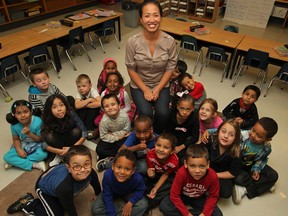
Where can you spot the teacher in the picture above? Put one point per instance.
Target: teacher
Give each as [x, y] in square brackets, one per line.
[150, 59]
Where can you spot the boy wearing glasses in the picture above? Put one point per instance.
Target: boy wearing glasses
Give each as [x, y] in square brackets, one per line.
[58, 185]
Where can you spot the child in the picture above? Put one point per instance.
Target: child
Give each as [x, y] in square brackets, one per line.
[184, 124]
[208, 115]
[224, 151]
[87, 103]
[62, 128]
[195, 89]
[121, 183]
[140, 141]
[244, 109]
[256, 176]
[40, 89]
[26, 152]
[114, 84]
[162, 165]
[109, 65]
[180, 69]
[57, 187]
[114, 127]
[195, 185]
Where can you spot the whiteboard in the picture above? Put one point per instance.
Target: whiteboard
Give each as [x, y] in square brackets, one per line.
[249, 12]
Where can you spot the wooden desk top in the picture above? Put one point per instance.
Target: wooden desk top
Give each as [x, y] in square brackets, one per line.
[21, 41]
[262, 45]
[64, 30]
[217, 36]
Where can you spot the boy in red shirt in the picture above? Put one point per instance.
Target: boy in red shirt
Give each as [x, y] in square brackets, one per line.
[162, 164]
[190, 187]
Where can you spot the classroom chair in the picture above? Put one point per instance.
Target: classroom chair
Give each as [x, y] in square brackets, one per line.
[75, 39]
[104, 31]
[282, 75]
[215, 54]
[256, 59]
[9, 66]
[38, 55]
[231, 28]
[190, 43]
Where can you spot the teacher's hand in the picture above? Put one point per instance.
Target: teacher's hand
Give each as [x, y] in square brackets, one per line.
[155, 95]
[148, 95]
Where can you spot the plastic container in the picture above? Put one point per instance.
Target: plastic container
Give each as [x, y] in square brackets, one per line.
[131, 15]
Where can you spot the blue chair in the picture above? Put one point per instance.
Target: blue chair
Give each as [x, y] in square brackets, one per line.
[282, 75]
[256, 59]
[38, 55]
[104, 31]
[75, 39]
[9, 66]
[215, 54]
[190, 43]
[231, 28]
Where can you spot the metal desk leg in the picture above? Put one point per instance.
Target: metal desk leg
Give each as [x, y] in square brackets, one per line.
[236, 59]
[232, 59]
[119, 28]
[56, 55]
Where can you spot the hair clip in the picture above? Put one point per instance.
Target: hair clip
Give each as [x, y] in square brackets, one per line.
[180, 94]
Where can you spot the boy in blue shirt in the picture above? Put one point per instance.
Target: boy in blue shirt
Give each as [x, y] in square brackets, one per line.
[256, 176]
[140, 141]
[121, 183]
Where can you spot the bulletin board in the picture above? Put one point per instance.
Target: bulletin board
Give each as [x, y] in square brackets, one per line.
[249, 12]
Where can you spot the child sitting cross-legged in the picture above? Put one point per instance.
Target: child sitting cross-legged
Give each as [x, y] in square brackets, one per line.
[140, 141]
[114, 127]
[162, 164]
[195, 185]
[123, 189]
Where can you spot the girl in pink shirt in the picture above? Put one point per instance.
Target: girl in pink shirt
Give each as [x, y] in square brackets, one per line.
[208, 115]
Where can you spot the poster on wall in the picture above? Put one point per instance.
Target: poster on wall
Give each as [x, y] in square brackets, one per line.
[249, 12]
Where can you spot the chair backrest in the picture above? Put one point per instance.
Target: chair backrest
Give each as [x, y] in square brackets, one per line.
[109, 27]
[256, 59]
[283, 73]
[76, 35]
[10, 65]
[231, 28]
[216, 54]
[39, 54]
[189, 42]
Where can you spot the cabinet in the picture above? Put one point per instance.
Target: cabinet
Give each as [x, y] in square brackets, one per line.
[165, 5]
[203, 10]
[13, 11]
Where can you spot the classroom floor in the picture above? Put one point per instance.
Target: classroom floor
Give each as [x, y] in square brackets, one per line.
[274, 105]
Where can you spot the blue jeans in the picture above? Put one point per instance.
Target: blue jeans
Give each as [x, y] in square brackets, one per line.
[161, 107]
[98, 207]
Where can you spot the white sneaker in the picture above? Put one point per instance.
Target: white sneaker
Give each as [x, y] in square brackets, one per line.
[238, 193]
[272, 189]
[57, 159]
[7, 166]
[40, 165]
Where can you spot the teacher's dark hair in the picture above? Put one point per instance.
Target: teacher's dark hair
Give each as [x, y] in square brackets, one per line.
[146, 2]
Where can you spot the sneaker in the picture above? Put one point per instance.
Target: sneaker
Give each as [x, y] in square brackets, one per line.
[57, 159]
[272, 189]
[238, 193]
[90, 135]
[101, 164]
[7, 166]
[20, 203]
[40, 165]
